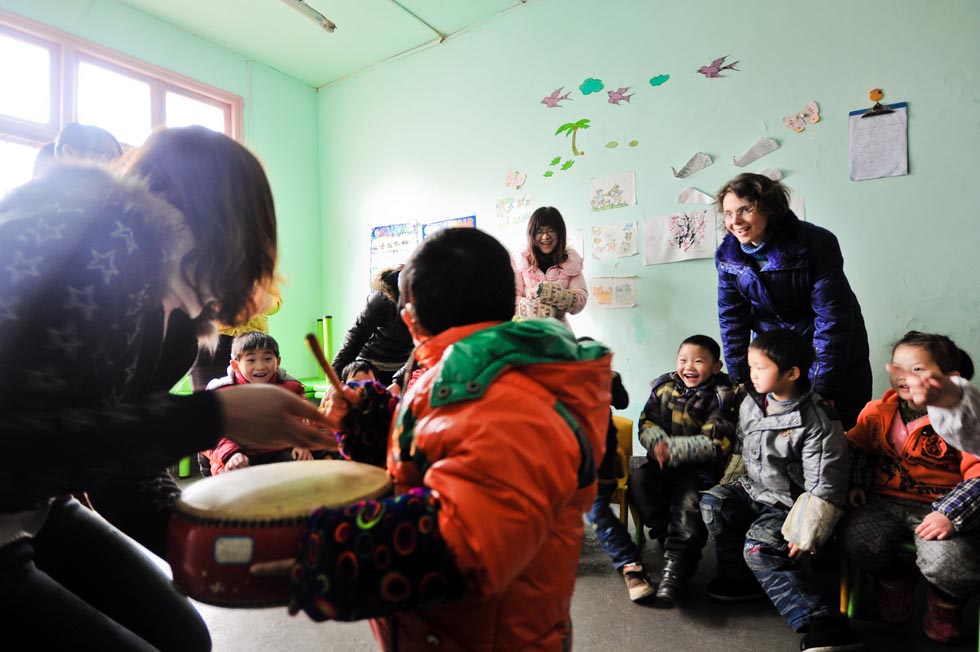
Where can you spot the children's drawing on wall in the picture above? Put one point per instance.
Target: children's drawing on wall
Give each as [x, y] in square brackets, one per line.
[759, 149]
[613, 191]
[692, 195]
[591, 85]
[659, 80]
[572, 129]
[714, 69]
[620, 95]
[576, 241]
[514, 210]
[614, 240]
[457, 222]
[612, 144]
[680, 236]
[553, 101]
[515, 179]
[392, 244]
[613, 292]
[808, 116]
[696, 163]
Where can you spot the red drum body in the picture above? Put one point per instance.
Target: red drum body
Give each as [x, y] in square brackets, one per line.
[225, 524]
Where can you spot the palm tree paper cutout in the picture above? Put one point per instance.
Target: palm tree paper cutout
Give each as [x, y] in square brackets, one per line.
[572, 128]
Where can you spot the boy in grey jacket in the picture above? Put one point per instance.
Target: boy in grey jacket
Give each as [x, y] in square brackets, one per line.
[795, 456]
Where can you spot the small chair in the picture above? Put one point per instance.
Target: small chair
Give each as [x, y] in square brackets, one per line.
[851, 581]
[620, 496]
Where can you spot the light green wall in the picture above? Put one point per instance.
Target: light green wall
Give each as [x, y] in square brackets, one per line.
[431, 136]
[280, 127]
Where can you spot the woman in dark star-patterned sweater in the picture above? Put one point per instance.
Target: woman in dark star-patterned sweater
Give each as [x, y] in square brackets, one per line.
[106, 286]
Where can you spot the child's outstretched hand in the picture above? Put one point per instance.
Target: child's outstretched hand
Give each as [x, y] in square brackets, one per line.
[340, 405]
[856, 497]
[932, 389]
[302, 454]
[236, 461]
[794, 552]
[661, 451]
[935, 525]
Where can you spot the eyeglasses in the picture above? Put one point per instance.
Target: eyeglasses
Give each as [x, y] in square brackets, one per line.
[548, 231]
[739, 213]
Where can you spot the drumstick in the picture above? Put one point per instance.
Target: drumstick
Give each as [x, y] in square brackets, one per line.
[314, 345]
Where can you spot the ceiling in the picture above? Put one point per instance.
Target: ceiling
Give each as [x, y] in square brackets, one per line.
[368, 31]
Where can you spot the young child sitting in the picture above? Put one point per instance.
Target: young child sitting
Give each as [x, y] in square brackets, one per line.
[254, 359]
[921, 486]
[795, 456]
[687, 427]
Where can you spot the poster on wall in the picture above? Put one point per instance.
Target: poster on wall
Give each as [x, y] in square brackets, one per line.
[613, 291]
[614, 240]
[435, 227]
[879, 143]
[612, 191]
[392, 244]
[514, 210]
[680, 236]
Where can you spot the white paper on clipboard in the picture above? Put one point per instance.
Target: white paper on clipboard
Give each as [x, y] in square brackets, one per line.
[879, 145]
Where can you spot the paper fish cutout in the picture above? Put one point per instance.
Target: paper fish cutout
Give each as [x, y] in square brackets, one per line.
[552, 101]
[809, 115]
[761, 147]
[772, 173]
[619, 95]
[694, 196]
[713, 70]
[515, 179]
[698, 162]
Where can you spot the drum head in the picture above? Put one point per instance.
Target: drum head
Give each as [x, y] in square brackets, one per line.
[283, 490]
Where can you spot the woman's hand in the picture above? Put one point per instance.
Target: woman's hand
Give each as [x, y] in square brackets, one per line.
[268, 416]
[935, 525]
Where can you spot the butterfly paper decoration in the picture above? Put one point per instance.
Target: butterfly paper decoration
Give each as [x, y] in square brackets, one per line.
[809, 115]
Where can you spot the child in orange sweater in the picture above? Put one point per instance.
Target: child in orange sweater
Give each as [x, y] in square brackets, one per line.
[919, 485]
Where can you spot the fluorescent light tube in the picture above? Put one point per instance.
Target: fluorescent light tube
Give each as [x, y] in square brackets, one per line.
[311, 13]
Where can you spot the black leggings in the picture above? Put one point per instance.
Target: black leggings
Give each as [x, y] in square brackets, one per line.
[80, 584]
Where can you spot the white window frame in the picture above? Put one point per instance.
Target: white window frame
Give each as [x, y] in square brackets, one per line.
[69, 50]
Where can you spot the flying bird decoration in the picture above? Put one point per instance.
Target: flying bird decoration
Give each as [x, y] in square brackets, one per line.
[619, 95]
[552, 101]
[713, 70]
[808, 116]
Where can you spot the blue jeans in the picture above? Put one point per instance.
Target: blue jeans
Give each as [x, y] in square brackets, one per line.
[609, 530]
[748, 540]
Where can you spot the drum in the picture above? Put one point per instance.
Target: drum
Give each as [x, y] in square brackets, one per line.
[224, 524]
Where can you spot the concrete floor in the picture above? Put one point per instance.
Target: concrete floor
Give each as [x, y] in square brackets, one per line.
[604, 620]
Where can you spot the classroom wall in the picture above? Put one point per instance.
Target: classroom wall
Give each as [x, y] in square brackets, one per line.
[431, 136]
[280, 125]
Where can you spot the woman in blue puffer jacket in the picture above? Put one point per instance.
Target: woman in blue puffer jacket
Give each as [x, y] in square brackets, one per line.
[776, 271]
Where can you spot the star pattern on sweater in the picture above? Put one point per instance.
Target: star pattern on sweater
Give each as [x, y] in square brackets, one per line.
[105, 263]
[83, 300]
[126, 234]
[23, 267]
[65, 340]
[7, 312]
[43, 231]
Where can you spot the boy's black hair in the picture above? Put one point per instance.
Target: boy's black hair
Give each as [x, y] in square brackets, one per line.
[787, 349]
[943, 350]
[456, 277]
[358, 366]
[707, 343]
[253, 341]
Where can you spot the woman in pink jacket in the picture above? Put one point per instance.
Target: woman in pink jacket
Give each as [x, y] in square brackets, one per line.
[548, 274]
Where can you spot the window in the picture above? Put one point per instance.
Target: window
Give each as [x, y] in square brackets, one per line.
[50, 78]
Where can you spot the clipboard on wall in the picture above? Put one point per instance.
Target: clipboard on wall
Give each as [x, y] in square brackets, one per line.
[878, 142]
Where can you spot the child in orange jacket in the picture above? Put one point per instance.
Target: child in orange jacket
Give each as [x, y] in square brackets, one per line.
[920, 486]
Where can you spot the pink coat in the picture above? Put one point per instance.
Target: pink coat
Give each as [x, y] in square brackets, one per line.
[568, 273]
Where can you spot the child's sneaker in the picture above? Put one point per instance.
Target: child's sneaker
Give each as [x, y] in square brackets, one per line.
[941, 621]
[896, 598]
[830, 634]
[730, 589]
[637, 583]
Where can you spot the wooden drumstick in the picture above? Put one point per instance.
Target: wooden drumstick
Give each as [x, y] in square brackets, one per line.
[314, 345]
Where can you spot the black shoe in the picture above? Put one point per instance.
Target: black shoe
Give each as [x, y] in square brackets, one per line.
[673, 582]
[830, 634]
[729, 589]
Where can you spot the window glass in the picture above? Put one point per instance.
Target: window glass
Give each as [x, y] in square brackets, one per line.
[25, 77]
[183, 111]
[16, 165]
[116, 102]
